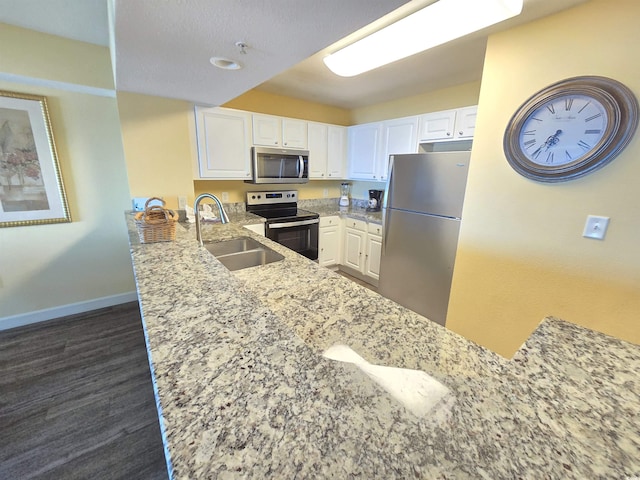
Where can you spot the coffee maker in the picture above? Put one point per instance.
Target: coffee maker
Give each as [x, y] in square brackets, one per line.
[375, 200]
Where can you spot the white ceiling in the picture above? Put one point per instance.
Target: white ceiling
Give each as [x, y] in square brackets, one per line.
[163, 46]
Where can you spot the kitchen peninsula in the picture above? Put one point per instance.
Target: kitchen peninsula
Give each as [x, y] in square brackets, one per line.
[243, 389]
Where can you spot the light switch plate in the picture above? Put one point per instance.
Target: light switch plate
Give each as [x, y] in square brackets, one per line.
[595, 227]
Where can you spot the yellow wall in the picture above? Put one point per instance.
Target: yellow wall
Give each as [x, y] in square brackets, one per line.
[159, 143]
[236, 189]
[48, 266]
[269, 103]
[521, 253]
[444, 99]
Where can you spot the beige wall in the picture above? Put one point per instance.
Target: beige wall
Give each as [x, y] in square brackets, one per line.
[48, 266]
[521, 253]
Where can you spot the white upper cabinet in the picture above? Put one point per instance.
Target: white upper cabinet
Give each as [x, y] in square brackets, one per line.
[278, 132]
[437, 126]
[398, 136]
[466, 122]
[318, 150]
[336, 151]
[327, 151]
[364, 150]
[370, 145]
[224, 143]
[448, 125]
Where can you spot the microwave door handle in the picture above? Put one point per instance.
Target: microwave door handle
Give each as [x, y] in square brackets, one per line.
[300, 166]
[281, 168]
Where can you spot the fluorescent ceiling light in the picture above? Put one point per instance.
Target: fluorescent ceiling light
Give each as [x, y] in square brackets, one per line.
[434, 25]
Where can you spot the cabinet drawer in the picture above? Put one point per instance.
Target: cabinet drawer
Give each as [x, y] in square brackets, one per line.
[329, 221]
[356, 224]
[375, 229]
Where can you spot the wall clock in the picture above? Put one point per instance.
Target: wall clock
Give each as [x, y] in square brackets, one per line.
[571, 128]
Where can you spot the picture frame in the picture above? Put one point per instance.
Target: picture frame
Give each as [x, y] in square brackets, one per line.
[31, 187]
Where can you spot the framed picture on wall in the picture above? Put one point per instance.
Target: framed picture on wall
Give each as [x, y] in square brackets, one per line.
[31, 187]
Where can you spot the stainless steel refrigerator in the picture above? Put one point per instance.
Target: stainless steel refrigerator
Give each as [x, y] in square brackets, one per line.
[422, 211]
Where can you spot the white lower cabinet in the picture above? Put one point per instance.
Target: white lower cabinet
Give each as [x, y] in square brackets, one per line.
[373, 251]
[362, 248]
[329, 241]
[355, 234]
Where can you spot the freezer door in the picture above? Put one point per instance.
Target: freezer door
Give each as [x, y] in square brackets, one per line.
[428, 182]
[417, 262]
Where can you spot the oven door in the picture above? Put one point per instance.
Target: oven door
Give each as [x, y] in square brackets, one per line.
[299, 235]
[275, 165]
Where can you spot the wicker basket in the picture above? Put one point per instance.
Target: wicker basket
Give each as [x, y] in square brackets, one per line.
[156, 223]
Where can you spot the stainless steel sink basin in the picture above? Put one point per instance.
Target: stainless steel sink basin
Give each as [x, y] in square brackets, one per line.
[242, 252]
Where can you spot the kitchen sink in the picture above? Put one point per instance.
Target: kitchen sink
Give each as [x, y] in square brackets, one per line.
[242, 252]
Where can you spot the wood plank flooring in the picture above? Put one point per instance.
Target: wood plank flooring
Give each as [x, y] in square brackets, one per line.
[76, 400]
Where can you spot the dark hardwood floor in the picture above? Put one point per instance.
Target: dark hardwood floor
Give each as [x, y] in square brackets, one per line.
[76, 400]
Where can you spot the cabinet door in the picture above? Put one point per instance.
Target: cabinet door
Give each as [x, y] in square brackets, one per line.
[363, 151]
[224, 140]
[318, 150]
[294, 133]
[374, 253]
[437, 126]
[466, 122]
[399, 136]
[267, 130]
[329, 246]
[354, 249]
[336, 151]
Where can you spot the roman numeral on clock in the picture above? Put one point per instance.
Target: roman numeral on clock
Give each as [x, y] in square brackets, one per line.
[568, 103]
[584, 145]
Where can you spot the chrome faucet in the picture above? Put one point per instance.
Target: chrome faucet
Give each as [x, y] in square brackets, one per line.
[224, 218]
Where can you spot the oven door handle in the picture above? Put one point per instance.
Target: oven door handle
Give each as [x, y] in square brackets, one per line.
[293, 224]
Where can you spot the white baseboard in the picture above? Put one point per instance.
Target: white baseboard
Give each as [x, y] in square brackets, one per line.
[64, 310]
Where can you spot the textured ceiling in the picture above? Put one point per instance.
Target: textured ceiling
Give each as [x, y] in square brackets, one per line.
[163, 46]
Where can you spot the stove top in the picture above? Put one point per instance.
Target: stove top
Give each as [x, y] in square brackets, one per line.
[278, 205]
[281, 213]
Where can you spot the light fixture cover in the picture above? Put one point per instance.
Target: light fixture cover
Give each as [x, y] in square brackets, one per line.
[225, 63]
[434, 25]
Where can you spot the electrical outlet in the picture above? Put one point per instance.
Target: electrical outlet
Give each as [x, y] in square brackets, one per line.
[225, 196]
[182, 202]
[325, 192]
[595, 227]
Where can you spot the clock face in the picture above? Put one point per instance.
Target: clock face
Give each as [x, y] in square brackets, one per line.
[570, 128]
[563, 130]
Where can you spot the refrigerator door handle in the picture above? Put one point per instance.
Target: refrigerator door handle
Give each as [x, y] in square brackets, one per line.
[385, 205]
[387, 195]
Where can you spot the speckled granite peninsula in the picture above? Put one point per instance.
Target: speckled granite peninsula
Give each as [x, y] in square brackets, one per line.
[244, 391]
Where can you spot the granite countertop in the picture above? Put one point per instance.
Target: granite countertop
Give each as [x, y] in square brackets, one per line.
[244, 391]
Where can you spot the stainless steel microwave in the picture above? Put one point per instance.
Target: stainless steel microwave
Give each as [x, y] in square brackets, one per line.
[279, 165]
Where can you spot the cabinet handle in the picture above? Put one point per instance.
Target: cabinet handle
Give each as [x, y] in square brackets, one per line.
[460, 133]
[448, 134]
[322, 175]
